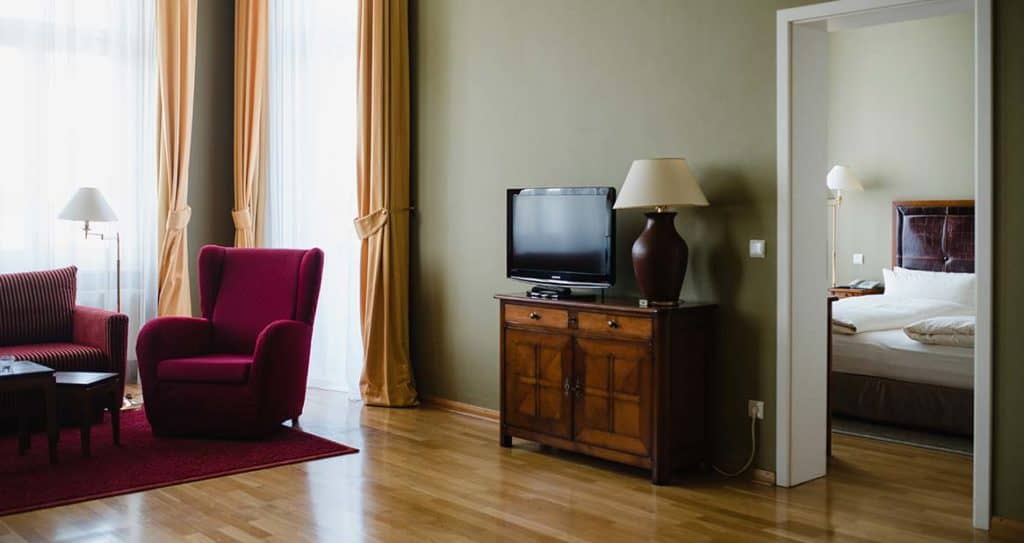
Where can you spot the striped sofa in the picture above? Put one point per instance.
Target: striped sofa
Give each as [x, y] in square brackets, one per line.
[39, 321]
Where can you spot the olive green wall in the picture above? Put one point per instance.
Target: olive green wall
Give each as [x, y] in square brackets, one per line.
[534, 93]
[1008, 468]
[901, 116]
[540, 93]
[210, 186]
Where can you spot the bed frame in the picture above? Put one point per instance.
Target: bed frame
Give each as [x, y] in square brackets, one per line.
[933, 235]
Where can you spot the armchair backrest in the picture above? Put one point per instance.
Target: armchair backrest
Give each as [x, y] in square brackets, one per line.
[36, 307]
[241, 291]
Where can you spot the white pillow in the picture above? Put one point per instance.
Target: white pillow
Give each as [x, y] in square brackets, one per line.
[956, 331]
[951, 287]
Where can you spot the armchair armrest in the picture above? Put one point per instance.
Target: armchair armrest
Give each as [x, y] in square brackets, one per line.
[104, 330]
[173, 337]
[281, 365]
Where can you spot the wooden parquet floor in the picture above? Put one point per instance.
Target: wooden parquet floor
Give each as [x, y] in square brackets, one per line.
[430, 475]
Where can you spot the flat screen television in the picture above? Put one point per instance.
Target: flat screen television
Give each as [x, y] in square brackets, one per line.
[562, 236]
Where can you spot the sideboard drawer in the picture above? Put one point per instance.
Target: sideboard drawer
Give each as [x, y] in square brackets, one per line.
[537, 316]
[616, 325]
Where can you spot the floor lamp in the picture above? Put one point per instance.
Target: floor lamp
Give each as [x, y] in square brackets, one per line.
[839, 178]
[88, 204]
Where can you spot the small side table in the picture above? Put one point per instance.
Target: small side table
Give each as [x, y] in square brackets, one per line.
[81, 390]
[846, 292]
[23, 379]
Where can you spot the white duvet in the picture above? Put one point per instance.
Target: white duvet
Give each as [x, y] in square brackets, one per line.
[883, 312]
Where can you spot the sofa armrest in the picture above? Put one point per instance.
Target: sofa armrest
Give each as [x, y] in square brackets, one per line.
[104, 330]
[281, 364]
[173, 337]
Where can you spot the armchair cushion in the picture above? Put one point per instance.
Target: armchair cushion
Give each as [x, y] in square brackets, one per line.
[35, 307]
[213, 368]
[60, 356]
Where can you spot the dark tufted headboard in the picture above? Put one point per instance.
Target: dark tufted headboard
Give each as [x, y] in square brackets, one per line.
[934, 235]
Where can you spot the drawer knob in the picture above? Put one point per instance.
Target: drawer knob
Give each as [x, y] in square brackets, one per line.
[613, 324]
[534, 315]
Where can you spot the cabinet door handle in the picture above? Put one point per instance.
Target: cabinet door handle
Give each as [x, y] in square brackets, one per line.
[578, 388]
[534, 315]
[613, 324]
[566, 387]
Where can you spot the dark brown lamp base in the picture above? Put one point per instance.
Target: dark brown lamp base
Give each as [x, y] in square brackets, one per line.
[660, 256]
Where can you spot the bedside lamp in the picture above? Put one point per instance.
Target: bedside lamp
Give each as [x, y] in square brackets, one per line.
[88, 204]
[660, 254]
[839, 178]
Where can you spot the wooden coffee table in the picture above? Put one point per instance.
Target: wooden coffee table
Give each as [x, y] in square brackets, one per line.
[81, 391]
[24, 379]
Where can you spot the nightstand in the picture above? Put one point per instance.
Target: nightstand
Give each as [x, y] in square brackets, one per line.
[846, 292]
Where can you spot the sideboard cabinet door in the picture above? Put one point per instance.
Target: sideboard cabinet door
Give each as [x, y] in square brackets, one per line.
[538, 370]
[613, 392]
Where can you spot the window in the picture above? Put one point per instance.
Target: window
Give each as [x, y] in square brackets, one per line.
[311, 171]
[78, 108]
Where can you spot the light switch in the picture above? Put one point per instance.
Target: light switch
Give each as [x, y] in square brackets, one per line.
[858, 258]
[757, 248]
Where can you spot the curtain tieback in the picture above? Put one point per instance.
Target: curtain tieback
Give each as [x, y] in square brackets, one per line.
[242, 218]
[178, 219]
[368, 225]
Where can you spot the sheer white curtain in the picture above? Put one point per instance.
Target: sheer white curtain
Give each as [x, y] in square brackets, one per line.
[311, 171]
[78, 108]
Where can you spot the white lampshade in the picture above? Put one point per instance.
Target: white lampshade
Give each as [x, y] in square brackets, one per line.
[88, 204]
[660, 182]
[842, 178]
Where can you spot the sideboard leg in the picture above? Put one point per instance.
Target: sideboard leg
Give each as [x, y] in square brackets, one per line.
[506, 440]
[660, 476]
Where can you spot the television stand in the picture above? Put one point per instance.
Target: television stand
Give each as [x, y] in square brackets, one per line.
[549, 293]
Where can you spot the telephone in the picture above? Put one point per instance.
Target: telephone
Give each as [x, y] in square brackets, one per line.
[865, 284]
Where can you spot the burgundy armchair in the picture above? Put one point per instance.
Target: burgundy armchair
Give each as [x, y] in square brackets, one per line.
[39, 321]
[240, 370]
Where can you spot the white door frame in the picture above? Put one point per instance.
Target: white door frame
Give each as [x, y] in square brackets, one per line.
[800, 373]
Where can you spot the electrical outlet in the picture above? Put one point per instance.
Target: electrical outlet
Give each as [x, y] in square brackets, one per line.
[755, 408]
[858, 258]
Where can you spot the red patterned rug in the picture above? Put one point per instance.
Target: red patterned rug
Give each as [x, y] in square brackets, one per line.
[140, 463]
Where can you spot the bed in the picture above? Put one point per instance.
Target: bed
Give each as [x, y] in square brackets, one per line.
[883, 375]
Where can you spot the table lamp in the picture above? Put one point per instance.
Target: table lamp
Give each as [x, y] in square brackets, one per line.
[88, 204]
[660, 254]
[839, 178]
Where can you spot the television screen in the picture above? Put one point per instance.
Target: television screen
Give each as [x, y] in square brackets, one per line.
[562, 235]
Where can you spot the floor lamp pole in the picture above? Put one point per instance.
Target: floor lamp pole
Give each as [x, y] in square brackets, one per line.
[117, 239]
[836, 202]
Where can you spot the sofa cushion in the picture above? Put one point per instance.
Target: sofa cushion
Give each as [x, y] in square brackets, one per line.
[61, 356]
[35, 307]
[213, 368]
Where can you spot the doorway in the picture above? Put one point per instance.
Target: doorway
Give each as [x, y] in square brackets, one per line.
[802, 79]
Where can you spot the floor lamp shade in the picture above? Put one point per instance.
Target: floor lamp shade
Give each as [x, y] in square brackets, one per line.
[88, 204]
[842, 178]
[660, 255]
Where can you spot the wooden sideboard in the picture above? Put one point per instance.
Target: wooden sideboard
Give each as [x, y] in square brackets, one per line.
[607, 378]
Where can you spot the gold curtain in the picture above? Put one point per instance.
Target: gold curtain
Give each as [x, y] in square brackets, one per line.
[250, 119]
[176, 44]
[382, 166]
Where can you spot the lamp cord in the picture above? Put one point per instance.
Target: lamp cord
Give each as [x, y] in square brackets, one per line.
[753, 449]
